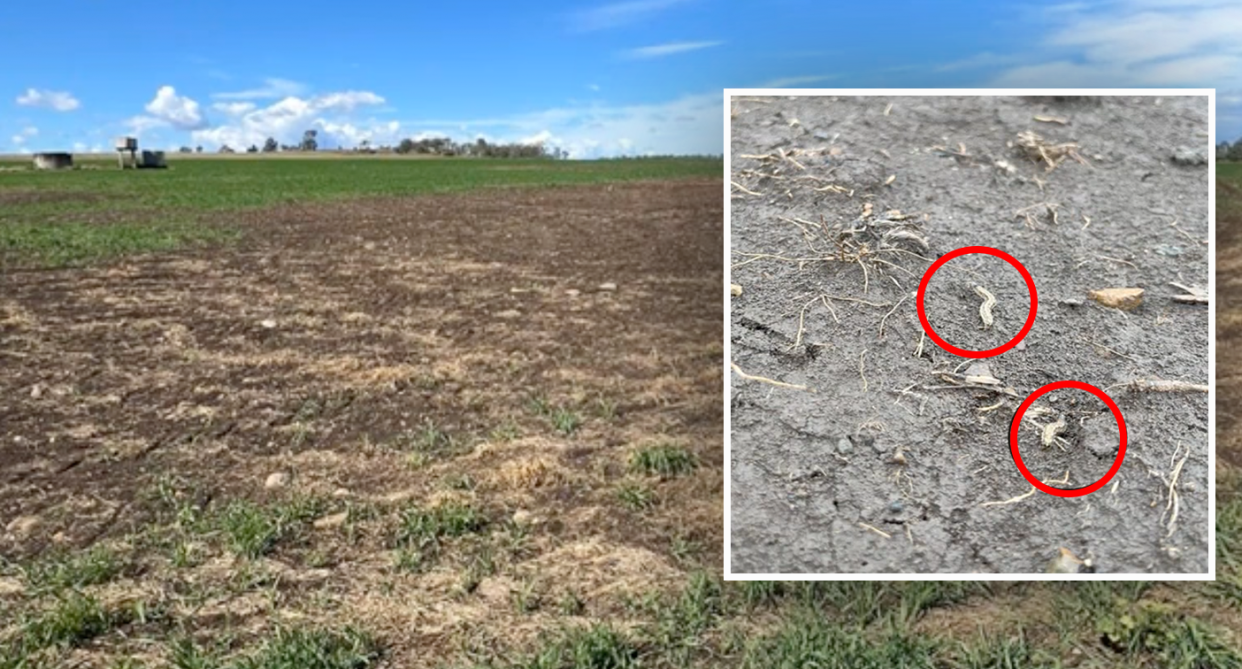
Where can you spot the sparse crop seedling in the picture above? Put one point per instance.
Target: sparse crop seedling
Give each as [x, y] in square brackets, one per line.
[252, 530]
[565, 421]
[421, 526]
[636, 496]
[664, 460]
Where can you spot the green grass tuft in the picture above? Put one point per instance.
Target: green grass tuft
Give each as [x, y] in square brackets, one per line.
[664, 460]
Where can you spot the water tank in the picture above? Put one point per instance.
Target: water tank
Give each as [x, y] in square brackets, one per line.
[53, 161]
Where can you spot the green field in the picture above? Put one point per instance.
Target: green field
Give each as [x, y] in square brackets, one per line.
[55, 218]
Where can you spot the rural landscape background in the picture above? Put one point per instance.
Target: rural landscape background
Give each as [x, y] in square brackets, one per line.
[337, 411]
[448, 412]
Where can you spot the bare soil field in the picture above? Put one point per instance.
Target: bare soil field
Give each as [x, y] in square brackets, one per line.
[885, 453]
[454, 421]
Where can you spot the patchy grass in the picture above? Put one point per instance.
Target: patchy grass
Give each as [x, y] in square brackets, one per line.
[71, 620]
[251, 530]
[807, 640]
[664, 460]
[63, 569]
[597, 647]
[421, 527]
[286, 648]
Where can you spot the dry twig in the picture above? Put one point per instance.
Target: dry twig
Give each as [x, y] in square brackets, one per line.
[764, 379]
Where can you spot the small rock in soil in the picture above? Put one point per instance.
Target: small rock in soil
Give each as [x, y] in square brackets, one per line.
[268, 323]
[509, 314]
[573, 292]
[608, 287]
[896, 506]
[276, 480]
[1168, 250]
[1185, 155]
[845, 446]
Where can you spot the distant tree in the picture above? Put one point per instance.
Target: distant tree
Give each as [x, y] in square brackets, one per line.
[225, 148]
[310, 141]
[1235, 151]
[406, 146]
[198, 149]
[270, 145]
[186, 149]
[365, 145]
[252, 149]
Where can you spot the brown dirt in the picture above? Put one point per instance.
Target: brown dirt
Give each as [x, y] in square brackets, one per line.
[334, 330]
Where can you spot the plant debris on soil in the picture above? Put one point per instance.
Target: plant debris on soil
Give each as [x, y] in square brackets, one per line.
[835, 220]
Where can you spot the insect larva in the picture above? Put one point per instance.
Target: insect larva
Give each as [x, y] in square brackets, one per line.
[1051, 430]
[985, 309]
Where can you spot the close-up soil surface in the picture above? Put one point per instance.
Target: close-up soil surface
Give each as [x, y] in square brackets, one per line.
[860, 445]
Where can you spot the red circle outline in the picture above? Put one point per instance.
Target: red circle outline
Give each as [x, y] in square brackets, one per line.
[1067, 492]
[987, 250]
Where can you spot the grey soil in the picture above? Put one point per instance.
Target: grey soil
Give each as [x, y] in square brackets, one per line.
[817, 482]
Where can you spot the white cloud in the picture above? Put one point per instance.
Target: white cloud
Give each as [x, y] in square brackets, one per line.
[178, 111]
[287, 119]
[233, 108]
[661, 50]
[272, 89]
[795, 82]
[60, 101]
[620, 14]
[594, 87]
[25, 134]
[1134, 43]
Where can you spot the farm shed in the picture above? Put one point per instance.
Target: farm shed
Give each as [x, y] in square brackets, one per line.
[53, 161]
[153, 159]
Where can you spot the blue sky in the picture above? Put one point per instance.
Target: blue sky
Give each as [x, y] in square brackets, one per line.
[597, 78]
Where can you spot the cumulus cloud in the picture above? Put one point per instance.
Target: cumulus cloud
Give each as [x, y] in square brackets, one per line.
[669, 49]
[619, 14]
[287, 119]
[60, 101]
[271, 89]
[175, 110]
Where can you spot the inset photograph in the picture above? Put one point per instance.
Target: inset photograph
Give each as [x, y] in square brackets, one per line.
[969, 334]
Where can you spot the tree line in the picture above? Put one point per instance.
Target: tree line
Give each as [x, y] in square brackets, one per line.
[435, 146]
